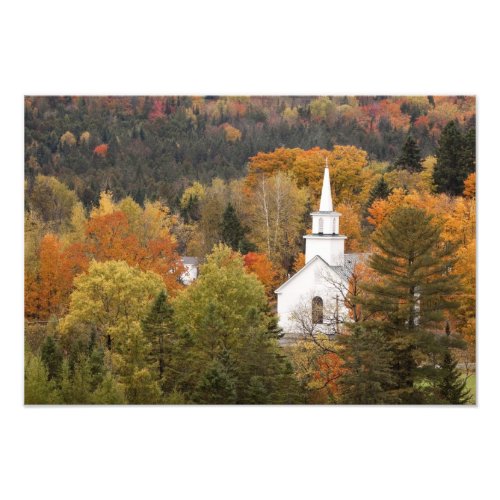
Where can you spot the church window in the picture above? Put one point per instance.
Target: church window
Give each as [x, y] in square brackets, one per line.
[320, 230]
[317, 310]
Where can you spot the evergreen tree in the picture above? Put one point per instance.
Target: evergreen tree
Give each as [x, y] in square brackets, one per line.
[52, 357]
[379, 192]
[456, 159]
[109, 392]
[452, 386]
[158, 329]
[232, 232]
[411, 293]
[136, 371]
[216, 386]
[82, 381]
[410, 158]
[38, 389]
[468, 157]
[96, 366]
[76, 382]
[367, 376]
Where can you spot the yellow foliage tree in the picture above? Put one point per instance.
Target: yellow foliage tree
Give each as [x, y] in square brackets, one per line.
[85, 137]
[106, 205]
[68, 139]
[231, 133]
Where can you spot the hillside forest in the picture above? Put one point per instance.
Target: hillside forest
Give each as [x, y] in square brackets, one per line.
[118, 189]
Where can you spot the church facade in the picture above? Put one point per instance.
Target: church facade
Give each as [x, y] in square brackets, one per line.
[312, 300]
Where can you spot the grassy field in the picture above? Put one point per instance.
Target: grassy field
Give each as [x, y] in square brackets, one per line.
[471, 385]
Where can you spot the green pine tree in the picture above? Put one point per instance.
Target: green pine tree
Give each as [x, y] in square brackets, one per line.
[52, 357]
[452, 386]
[368, 376]
[380, 191]
[411, 295]
[81, 382]
[159, 331]
[456, 159]
[216, 386]
[468, 157]
[410, 158]
[232, 231]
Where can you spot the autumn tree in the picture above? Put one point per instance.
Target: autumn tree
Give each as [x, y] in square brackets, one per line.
[110, 237]
[263, 268]
[101, 150]
[277, 218]
[318, 367]
[212, 206]
[306, 167]
[231, 337]
[52, 200]
[299, 262]
[190, 202]
[48, 291]
[108, 301]
[351, 226]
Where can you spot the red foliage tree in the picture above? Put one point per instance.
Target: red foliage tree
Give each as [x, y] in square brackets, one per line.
[101, 150]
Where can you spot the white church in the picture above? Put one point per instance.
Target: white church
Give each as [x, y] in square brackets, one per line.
[312, 300]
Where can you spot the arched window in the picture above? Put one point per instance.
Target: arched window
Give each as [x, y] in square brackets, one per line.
[317, 310]
[320, 229]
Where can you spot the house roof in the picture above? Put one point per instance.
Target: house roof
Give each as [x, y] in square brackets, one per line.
[189, 260]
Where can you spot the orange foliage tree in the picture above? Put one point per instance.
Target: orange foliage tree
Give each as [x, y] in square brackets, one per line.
[101, 150]
[47, 292]
[110, 237]
[299, 262]
[329, 368]
[259, 264]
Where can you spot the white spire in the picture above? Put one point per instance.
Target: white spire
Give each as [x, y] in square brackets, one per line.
[326, 204]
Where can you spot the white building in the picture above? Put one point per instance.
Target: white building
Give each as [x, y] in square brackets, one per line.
[312, 299]
[191, 273]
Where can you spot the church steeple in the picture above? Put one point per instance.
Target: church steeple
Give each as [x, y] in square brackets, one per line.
[326, 204]
[325, 239]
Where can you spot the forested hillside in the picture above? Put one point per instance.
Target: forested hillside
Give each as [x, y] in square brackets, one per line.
[118, 188]
[156, 146]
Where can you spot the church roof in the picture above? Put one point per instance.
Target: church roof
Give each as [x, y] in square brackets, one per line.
[345, 271]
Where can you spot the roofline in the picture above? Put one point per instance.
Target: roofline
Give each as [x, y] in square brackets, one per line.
[325, 213]
[320, 236]
[277, 291]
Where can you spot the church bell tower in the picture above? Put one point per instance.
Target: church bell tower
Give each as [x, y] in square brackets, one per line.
[325, 239]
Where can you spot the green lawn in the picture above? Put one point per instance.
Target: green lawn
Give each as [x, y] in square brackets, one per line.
[471, 385]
